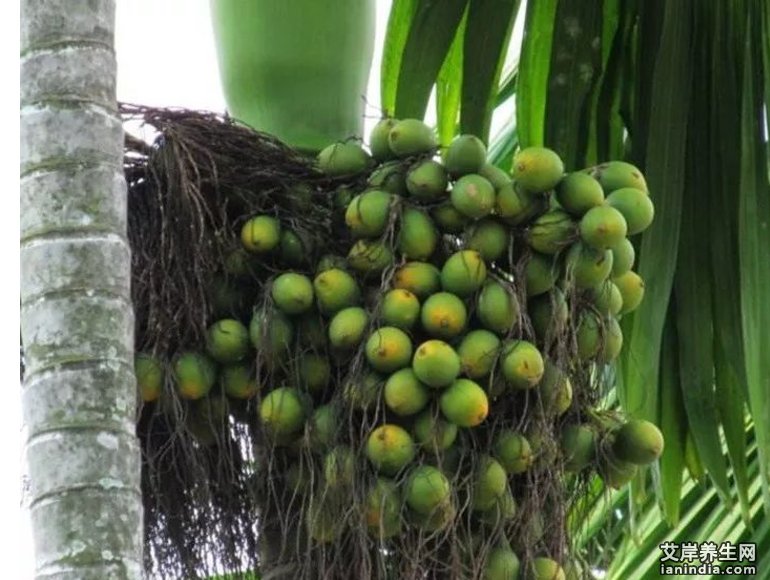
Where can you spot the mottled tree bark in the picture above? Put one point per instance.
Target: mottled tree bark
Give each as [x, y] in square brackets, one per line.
[77, 320]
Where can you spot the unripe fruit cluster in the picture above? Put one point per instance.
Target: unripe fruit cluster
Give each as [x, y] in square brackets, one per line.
[459, 283]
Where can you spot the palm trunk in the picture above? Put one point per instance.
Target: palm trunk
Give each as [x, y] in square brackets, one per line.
[77, 321]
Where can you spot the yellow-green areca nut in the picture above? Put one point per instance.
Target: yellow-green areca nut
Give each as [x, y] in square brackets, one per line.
[437, 519]
[389, 177]
[623, 256]
[363, 393]
[342, 159]
[420, 278]
[578, 192]
[546, 569]
[405, 394]
[502, 564]
[427, 181]
[261, 234]
[322, 519]
[639, 442]
[603, 227]
[612, 340]
[347, 328]
[329, 262]
[238, 381]
[298, 478]
[463, 273]
[390, 448]
[240, 263]
[271, 332]
[311, 331]
[631, 287]
[417, 236]
[195, 374]
[555, 390]
[607, 298]
[589, 336]
[464, 403]
[322, 427]
[400, 308]
[448, 219]
[548, 313]
[282, 411]
[432, 432]
[378, 140]
[436, 363]
[636, 207]
[292, 293]
[540, 274]
[498, 307]
[587, 266]
[513, 452]
[149, 376]
[342, 197]
[516, 206]
[578, 446]
[314, 372]
[444, 315]
[503, 510]
[618, 174]
[537, 169]
[339, 467]
[383, 509]
[552, 232]
[490, 238]
[473, 196]
[411, 137]
[466, 154]
[496, 176]
[368, 213]
[522, 364]
[388, 349]
[370, 257]
[614, 471]
[478, 353]
[293, 249]
[335, 289]
[427, 489]
[206, 419]
[489, 485]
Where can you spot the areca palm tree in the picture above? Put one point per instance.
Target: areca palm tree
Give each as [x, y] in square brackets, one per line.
[77, 320]
[680, 88]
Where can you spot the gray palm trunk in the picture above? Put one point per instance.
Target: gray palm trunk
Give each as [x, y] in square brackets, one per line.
[79, 393]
